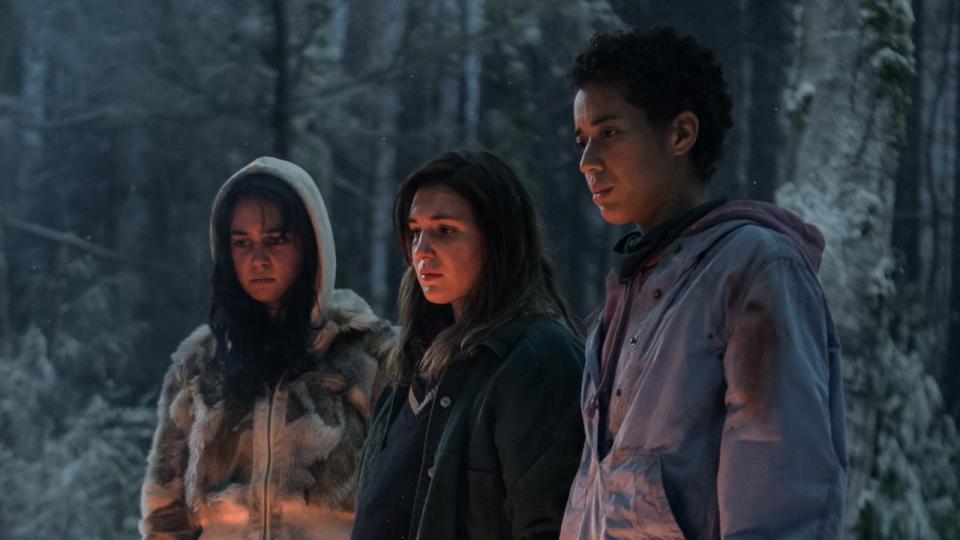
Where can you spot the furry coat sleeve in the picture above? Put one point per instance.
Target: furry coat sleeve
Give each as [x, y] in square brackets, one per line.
[163, 503]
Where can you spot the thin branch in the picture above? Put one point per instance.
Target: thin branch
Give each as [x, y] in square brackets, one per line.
[349, 84]
[72, 240]
[352, 189]
[116, 116]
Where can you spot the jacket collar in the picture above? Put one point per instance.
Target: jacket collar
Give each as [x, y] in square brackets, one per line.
[635, 250]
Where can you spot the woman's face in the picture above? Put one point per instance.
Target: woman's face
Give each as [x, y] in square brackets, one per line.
[447, 247]
[266, 259]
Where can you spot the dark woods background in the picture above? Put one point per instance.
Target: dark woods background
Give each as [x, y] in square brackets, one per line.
[118, 121]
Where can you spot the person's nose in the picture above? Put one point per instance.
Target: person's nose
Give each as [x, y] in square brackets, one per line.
[260, 256]
[422, 248]
[590, 162]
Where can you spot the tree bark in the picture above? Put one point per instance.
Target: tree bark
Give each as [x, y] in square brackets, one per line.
[951, 379]
[769, 58]
[907, 210]
[282, 91]
[449, 101]
[472, 69]
[385, 173]
[741, 137]
[10, 70]
[847, 104]
[6, 326]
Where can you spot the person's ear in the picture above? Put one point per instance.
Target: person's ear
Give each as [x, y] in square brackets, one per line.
[683, 133]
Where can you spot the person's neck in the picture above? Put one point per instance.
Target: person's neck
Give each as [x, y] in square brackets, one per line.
[682, 203]
[457, 308]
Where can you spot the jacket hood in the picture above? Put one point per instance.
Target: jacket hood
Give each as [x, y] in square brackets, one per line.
[808, 238]
[304, 186]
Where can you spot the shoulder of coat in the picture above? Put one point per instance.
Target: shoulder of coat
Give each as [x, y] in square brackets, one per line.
[547, 332]
[545, 343]
[347, 312]
[195, 351]
[755, 244]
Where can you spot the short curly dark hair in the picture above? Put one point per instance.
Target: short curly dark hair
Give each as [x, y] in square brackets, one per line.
[663, 74]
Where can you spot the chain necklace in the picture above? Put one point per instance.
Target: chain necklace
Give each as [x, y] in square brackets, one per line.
[417, 406]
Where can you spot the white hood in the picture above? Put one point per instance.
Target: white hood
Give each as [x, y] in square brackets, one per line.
[306, 188]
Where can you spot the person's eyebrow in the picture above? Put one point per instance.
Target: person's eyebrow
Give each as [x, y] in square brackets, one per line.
[437, 217]
[244, 233]
[598, 120]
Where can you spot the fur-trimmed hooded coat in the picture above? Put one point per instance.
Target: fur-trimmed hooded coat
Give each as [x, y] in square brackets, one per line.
[285, 467]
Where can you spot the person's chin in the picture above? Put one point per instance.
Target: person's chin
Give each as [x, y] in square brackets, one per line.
[433, 295]
[612, 216]
[264, 297]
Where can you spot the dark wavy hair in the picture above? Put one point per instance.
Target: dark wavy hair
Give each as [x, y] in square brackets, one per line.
[517, 278]
[254, 348]
[663, 74]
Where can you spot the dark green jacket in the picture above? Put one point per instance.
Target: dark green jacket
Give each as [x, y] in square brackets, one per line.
[503, 440]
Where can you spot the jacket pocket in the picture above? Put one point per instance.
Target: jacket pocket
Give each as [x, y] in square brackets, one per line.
[636, 505]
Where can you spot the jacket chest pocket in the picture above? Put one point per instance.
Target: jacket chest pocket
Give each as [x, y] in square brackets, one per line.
[635, 505]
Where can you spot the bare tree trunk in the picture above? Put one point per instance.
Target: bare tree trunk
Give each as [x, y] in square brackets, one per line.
[769, 60]
[6, 326]
[472, 68]
[936, 182]
[448, 107]
[10, 69]
[906, 217]
[951, 378]
[842, 185]
[282, 91]
[385, 174]
[847, 104]
[742, 137]
[381, 223]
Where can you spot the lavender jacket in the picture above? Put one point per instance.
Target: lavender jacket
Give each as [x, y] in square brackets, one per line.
[726, 415]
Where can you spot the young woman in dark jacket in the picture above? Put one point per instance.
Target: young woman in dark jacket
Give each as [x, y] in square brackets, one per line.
[479, 434]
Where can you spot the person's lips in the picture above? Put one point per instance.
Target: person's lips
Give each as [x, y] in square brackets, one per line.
[262, 280]
[600, 193]
[427, 276]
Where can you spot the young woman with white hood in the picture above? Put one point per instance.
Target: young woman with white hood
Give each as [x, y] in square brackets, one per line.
[265, 407]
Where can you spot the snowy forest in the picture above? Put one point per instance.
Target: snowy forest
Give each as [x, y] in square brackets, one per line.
[119, 120]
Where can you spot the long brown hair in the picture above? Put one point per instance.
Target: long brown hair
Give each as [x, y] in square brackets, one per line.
[517, 278]
[251, 347]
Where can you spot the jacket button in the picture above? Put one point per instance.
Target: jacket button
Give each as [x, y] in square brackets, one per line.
[633, 340]
[430, 472]
[657, 293]
[445, 401]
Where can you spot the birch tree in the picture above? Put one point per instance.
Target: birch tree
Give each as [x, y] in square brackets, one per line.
[847, 104]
